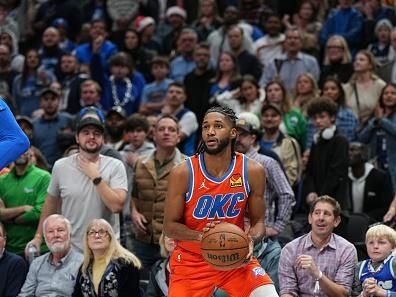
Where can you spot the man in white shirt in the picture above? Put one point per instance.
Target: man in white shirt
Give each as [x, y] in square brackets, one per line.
[370, 188]
[270, 46]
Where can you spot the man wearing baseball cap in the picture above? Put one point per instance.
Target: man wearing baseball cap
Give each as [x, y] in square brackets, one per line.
[285, 146]
[114, 127]
[48, 129]
[86, 185]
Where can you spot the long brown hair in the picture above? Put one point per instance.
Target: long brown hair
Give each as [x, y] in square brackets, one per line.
[371, 59]
[235, 76]
[381, 97]
[286, 104]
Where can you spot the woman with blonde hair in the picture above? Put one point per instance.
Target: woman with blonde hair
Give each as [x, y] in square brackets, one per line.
[337, 61]
[108, 269]
[159, 274]
[306, 89]
[364, 87]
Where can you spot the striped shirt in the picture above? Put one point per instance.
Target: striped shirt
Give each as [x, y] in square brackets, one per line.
[336, 260]
[279, 196]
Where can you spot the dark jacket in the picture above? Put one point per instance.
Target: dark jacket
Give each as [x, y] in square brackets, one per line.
[385, 71]
[378, 194]
[13, 270]
[159, 279]
[342, 71]
[327, 169]
[120, 279]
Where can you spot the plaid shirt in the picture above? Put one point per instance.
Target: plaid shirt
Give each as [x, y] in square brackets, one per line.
[336, 260]
[346, 122]
[279, 197]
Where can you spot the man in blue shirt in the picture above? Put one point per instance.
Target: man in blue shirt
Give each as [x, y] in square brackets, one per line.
[48, 129]
[98, 44]
[13, 142]
[346, 21]
[184, 63]
[292, 63]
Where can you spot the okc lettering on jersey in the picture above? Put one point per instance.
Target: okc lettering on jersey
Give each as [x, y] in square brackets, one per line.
[220, 206]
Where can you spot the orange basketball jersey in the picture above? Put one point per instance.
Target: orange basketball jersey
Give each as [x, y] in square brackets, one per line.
[215, 199]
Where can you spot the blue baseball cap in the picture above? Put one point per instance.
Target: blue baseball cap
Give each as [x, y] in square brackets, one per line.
[91, 116]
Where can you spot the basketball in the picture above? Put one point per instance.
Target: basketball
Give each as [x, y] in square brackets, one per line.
[225, 246]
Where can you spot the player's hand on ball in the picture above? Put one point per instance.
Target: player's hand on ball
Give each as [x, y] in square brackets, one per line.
[251, 248]
[210, 225]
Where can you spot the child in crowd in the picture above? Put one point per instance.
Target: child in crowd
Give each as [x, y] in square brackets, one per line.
[154, 93]
[159, 275]
[376, 275]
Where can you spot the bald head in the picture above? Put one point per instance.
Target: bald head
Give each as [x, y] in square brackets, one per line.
[51, 37]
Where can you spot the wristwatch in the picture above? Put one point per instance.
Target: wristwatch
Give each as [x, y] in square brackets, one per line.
[96, 181]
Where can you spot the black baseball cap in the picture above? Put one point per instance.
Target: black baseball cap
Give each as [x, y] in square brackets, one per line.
[117, 110]
[244, 125]
[49, 91]
[22, 118]
[91, 116]
[271, 106]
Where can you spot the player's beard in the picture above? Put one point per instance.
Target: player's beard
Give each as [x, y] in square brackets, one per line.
[223, 143]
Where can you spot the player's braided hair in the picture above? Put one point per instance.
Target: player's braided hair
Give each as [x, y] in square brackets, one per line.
[230, 115]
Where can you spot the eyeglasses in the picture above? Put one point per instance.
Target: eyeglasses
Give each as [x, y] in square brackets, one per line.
[340, 47]
[101, 233]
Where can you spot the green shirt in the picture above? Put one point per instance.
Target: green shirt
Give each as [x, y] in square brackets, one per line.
[296, 126]
[15, 191]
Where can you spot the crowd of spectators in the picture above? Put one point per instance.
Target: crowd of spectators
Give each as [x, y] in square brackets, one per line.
[111, 94]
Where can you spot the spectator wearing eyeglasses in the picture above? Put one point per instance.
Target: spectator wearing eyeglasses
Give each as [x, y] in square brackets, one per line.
[337, 60]
[108, 269]
[86, 185]
[54, 273]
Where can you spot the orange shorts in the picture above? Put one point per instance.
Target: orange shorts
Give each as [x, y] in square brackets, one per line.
[191, 276]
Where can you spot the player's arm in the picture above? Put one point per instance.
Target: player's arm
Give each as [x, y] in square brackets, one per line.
[13, 142]
[256, 176]
[7, 214]
[174, 206]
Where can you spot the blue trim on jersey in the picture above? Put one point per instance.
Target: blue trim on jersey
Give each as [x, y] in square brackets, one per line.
[191, 180]
[383, 274]
[361, 268]
[215, 179]
[245, 175]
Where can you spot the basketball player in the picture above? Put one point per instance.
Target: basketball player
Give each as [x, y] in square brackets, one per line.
[217, 184]
[13, 142]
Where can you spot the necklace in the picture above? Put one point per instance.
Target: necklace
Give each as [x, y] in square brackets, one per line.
[128, 92]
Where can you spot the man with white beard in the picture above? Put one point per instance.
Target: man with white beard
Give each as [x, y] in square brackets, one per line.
[54, 273]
